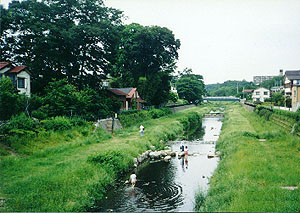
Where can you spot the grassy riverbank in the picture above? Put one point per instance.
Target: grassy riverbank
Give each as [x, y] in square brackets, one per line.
[252, 172]
[61, 173]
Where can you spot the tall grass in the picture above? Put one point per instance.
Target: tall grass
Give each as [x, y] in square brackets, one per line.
[251, 173]
[69, 170]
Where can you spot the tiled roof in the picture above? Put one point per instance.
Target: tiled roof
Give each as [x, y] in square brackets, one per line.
[293, 75]
[248, 90]
[17, 69]
[4, 64]
[121, 91]
[117, 91]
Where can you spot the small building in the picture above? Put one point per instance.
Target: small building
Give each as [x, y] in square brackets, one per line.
[18, 74]
[292, 87]
[257, 80]
[260, 94]
[129, 98]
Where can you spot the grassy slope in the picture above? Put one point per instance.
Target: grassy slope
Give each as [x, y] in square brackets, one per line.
[57, 175]
[251, 173]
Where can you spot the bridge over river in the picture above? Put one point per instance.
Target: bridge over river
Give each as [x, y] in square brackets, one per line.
[221, 98]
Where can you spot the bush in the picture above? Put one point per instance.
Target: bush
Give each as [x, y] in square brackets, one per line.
[191, 123]
[39, 114]
[77, 121]
[116, 160]
[129, 118]
[293, 115]
[19, 125]
[265, 113]
[58, 123]
[157, 113]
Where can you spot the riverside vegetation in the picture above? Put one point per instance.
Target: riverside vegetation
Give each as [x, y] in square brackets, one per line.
[67, 170]
[258, 159]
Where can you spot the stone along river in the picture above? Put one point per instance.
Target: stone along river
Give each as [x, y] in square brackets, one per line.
[169, 186]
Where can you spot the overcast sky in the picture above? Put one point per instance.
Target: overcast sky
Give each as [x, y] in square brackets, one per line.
[225, 39]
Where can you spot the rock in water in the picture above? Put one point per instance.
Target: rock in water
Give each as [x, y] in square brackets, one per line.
[167, 158]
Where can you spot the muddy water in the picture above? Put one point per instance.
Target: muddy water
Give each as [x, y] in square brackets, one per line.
[169, 186]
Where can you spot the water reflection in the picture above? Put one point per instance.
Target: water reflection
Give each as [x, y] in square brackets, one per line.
[169, 186]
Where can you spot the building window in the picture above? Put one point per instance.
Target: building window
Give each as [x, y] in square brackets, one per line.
[265, 93]
[21, 82]
[257, 93]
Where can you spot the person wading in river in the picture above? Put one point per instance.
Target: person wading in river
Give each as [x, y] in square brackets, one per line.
[132, 179]
[186, 153]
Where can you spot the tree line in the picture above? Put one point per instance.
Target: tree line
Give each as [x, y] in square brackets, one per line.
[71, 46]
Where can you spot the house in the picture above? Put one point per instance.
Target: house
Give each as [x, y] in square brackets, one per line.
[292, 87]
[260, 94]
[129, 98]
[19, 76]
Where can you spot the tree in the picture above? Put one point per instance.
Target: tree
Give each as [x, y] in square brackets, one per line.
[149, 53]
[10, 100]
[73, 39]
[65, 99]
[191, 88]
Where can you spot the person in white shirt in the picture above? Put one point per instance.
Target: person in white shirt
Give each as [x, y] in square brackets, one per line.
[132, 179]
[142, 130]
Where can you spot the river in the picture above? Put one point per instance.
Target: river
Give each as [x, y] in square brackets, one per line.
[169, 186]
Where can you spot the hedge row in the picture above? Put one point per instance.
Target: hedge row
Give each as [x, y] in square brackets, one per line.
[263, 111]
[22, 125]
[129, 118]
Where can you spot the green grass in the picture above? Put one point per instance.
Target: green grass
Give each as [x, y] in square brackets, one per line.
[251, 173]
[58, 171]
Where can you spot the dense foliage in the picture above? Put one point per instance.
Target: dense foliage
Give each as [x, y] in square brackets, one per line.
[86, 42]
[129, 118]
[146, 59]
[11, 102]
[229, 88]
[190, 87]
[76, 39]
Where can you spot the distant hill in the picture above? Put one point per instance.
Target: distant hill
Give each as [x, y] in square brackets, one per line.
[229, 88]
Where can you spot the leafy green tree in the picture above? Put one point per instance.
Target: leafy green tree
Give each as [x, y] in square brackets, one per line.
[229, 88]
[278, 99]
[73, 39]
[191, 88]
[275, 81]
[173, 97]
[10, 100]
[149, 53]
[63, 98]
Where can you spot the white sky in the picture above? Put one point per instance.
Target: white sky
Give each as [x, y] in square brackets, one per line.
[225, 39]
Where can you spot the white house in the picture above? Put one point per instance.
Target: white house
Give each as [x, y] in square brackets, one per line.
[19, 76]
[260, 94]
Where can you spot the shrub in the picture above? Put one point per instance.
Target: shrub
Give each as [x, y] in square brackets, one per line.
[77, 121]
[58, 123]
[129, 118]
[115, 159]
[39, 114]
[157, 113]
[293, 115]
[19, 125]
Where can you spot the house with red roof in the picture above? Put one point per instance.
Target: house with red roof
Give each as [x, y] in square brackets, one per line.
[129, 97]
[19, 76]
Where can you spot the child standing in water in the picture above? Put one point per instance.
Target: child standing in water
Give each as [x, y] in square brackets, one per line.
[186, 152]
[132, 179]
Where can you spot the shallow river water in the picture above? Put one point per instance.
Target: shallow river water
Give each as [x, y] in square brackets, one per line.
[169, 186]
